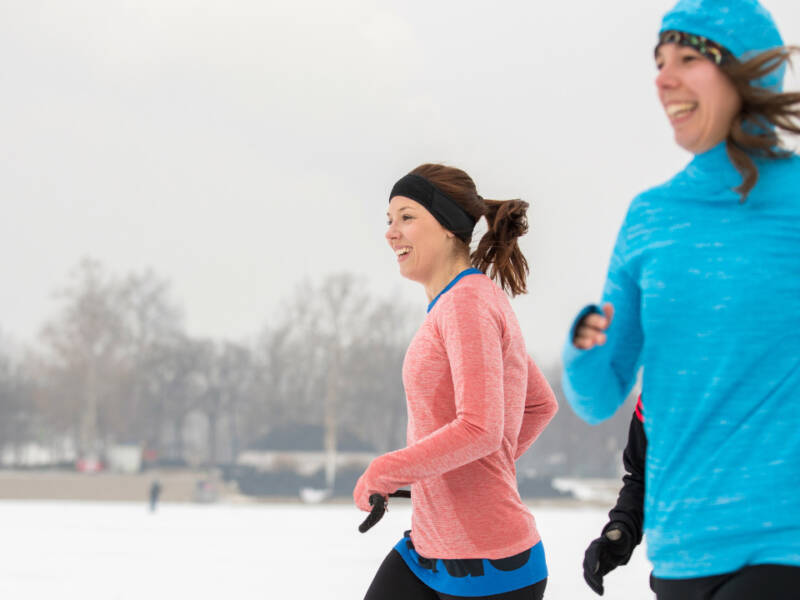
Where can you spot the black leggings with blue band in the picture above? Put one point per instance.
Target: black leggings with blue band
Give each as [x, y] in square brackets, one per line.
[395, 581]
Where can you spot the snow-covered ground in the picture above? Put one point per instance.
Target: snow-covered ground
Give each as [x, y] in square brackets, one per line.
[88, 551]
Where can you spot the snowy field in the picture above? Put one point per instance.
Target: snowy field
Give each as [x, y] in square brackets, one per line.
[104, 551]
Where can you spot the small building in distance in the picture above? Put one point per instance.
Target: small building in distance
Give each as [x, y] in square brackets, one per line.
[293, 457]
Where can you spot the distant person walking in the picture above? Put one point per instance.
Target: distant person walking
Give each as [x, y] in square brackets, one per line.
[155, 492]
[476, 401]
[703, 293]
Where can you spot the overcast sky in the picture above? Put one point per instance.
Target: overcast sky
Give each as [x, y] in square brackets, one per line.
[238, 146]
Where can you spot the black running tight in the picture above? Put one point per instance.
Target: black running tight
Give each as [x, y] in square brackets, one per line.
[758, 582]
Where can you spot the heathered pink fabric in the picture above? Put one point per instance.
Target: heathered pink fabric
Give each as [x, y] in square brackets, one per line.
[476, 402]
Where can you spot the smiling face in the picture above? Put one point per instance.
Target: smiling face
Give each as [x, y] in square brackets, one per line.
[422, 246]
[700, 101]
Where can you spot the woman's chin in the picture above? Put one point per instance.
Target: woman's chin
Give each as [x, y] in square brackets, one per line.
[406, 272]
[409, 273]
[696, 144]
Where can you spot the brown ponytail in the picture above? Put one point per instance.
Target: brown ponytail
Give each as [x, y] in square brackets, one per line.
[754, 131]
[498, 254]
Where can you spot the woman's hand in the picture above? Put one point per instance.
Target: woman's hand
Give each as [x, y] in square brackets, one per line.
[361, 494]
[365, 488]
[590, 332]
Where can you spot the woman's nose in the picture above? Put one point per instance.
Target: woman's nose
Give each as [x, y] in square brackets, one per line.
[666, 78]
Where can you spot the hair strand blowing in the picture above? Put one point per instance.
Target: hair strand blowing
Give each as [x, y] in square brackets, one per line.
[753, 131]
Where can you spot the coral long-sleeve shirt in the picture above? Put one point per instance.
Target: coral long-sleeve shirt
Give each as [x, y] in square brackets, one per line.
[476, 402]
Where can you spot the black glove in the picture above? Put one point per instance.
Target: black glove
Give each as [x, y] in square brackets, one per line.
[612, 549]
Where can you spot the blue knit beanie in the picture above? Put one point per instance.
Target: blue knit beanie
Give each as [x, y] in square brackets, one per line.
[744, 27]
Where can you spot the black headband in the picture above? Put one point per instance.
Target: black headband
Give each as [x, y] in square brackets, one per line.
[448, 212]
[717, 54]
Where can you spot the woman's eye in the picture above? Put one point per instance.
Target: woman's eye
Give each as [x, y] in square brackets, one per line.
[407, 217]
[659, 66]
[688, 58]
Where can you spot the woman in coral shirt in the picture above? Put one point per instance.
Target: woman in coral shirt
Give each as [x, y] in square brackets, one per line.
[476, 401]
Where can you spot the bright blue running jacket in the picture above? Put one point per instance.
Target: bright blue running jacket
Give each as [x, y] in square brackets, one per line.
[706, 292]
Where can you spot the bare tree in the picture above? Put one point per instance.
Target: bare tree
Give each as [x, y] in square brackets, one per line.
[151, 323]
[228, 377]
[85, 343]
[275, 361]
[325, 321]
[17, 409]
[172, 384]
[375, 401]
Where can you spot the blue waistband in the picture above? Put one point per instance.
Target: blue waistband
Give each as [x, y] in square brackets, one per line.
[475, 577]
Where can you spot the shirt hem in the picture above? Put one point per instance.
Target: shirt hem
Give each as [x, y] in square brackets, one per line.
[713, 571]
[493, 554]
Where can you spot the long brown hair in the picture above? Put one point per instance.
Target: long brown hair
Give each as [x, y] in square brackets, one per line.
[754, 131]
[498, 254]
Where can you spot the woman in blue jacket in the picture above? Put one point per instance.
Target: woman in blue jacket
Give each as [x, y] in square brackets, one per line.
[703, 293]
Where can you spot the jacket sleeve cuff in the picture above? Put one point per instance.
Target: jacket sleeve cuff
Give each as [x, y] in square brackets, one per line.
[570, 351]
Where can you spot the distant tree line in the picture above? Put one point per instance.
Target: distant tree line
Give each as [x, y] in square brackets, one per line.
[115, 365]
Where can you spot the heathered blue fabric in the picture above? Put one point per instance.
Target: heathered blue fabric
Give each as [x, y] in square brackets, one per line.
[744, 27]
[706, 294]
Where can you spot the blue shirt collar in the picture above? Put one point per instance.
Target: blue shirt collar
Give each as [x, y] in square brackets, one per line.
[714, 170]
[463, 273]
